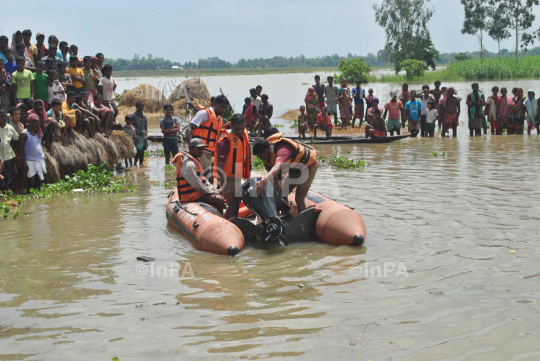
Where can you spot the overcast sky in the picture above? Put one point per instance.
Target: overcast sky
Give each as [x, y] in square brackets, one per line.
[182, 30]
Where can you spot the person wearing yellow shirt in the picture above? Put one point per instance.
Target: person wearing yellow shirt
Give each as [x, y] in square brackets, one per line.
[31, 48]
[77, 75]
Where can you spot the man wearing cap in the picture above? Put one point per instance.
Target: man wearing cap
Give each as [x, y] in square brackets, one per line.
[191, 182]
[42, 50]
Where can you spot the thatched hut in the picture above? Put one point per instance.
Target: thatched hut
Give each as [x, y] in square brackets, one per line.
[152, 97]
[64, 160]
[191, 88]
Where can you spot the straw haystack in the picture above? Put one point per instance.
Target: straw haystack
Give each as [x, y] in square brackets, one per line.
[152, 97]
[64, 160]
[192, 87]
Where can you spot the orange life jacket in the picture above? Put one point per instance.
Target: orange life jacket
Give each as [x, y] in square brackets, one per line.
[208, 131]
[185, 191]
[249, 115]
[304, 155]
[238, 163]
[328, 122]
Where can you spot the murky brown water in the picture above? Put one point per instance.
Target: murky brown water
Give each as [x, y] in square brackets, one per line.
[71, 287]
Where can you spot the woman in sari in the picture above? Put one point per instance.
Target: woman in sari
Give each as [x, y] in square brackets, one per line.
[491, 109]
[505, 117]
[5, 87]
[312, 106]
[520, 111]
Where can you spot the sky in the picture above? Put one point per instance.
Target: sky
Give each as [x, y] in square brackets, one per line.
[183, 30]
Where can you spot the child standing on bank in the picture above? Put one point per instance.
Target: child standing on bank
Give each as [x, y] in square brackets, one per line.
[169, 127]
[129, 130]
[302, 122]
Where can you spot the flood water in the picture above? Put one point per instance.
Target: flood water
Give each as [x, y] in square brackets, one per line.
[442, 227]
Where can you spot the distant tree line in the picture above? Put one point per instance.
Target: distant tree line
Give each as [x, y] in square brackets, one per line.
[381, 59]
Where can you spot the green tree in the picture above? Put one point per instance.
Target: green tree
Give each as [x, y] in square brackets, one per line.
[497, 26]
[521, 17]
[405, 24]
[412, 68]
[462, 56]
[475, 23]
[353, 69]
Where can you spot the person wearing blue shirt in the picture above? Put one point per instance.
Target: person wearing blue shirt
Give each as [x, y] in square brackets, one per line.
[358, 94]
[412, 111]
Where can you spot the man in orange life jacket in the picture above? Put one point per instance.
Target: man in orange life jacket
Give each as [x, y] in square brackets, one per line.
[286, 156]
[206, 125]
[323, 123]
[191, 182]
[233, 162]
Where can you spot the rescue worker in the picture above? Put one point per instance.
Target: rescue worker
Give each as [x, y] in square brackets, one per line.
[284, 156]
[233, 163]
[206, 125]
[191, 182]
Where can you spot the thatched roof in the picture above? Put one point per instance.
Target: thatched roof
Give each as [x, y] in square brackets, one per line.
[152, 97]
[194, 87]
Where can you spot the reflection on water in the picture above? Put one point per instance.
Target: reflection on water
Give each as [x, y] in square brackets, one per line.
[69, 281]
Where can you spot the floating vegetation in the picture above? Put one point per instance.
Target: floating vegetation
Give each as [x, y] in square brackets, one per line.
[436, 154]
[294, 125]
[278, 125]
[344, 163]
[94, 179]
[169, 167]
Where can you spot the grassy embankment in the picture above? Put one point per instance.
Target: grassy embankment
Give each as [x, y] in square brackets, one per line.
[474, 70]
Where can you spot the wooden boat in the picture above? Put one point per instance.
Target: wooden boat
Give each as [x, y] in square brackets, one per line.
[356, 140]
[329, 140]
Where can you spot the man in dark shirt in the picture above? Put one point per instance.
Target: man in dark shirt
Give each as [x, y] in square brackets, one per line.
[319, 90]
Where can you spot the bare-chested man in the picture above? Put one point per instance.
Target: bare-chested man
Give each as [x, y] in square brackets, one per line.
[451, 109]
[437, 92]
[404, 97]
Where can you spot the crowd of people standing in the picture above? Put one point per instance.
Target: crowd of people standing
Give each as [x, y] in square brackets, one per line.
[420, 112]
[46, 93]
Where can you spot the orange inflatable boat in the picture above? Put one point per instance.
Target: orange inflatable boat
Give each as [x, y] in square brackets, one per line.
[204, 226]
[325, 220]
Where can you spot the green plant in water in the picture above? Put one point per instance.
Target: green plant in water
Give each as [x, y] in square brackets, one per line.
[169, 167]
[294, 125]
[95, 179]
[344, 163]
[436, 154]
[278, 125]
[258, 163]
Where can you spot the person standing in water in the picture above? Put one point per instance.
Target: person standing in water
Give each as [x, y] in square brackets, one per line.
[492, 108]
[393, 109]
[451, 109]
[404, 97]
[532, 112]
[475, 103]
[412, 110]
